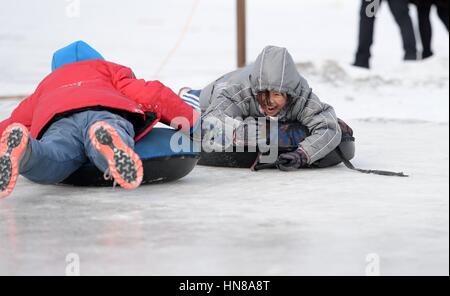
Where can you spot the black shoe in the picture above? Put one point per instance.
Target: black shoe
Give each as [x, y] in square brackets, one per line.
[362, 64]
[411, 57]
[427, 55]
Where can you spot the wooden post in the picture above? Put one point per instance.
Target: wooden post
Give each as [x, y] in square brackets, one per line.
[241, 33]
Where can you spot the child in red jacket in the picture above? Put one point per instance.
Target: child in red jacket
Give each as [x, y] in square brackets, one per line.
[87, 109]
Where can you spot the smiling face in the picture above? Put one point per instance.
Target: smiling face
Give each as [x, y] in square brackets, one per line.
[272, 103]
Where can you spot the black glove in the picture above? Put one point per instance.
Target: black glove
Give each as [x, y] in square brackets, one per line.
[292, 161]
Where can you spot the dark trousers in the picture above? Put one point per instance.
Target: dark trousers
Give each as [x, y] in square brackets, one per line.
[400, 10]
[426, 31]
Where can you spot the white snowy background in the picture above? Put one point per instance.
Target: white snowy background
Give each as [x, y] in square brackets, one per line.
[231, 221]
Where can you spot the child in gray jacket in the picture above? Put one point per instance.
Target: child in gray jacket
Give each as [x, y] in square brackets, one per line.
[271, 88]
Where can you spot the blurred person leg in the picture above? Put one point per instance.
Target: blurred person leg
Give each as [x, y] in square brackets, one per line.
[366, 31]
[443, 11]
[400, 10]
[425, 28]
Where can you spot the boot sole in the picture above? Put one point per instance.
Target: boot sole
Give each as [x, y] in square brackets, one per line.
[124, 164]
[12, 146]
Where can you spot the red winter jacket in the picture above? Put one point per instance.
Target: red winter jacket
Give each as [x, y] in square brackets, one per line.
[98, 83]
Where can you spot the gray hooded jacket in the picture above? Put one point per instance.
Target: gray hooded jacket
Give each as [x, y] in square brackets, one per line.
[234, 96]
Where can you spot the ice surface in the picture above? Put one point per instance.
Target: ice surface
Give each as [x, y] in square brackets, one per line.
[230, 221]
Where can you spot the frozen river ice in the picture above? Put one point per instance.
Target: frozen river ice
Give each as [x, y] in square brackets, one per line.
[235, 222]
[231, 221]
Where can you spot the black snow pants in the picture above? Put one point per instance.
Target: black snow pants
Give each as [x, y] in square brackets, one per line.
[426, 31]
[400, 10]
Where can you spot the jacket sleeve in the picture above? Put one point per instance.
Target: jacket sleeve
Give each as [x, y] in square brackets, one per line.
[224, 118]
[323, 125]
[153, 96]
[22, 114]
[4, 124]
